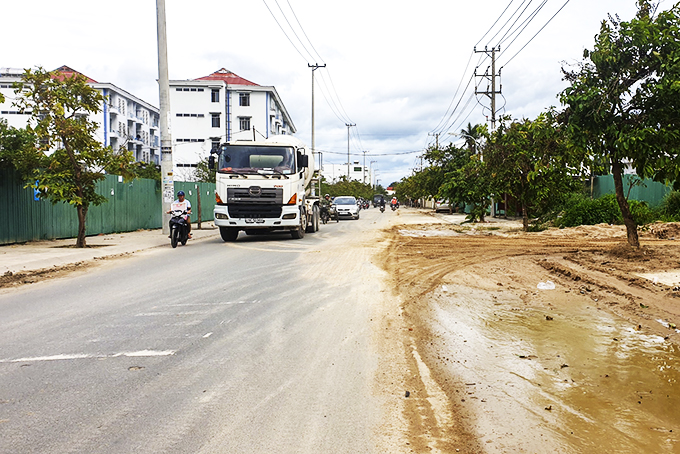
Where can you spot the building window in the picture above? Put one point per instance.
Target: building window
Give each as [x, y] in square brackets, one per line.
[244, 123]
[215, 95]
[215, 120]
[244, 99]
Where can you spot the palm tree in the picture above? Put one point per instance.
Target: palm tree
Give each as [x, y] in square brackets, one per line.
[471, 135]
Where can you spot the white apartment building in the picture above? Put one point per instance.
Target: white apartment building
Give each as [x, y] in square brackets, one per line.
[124, 120]
[334, 172]
[218, 108]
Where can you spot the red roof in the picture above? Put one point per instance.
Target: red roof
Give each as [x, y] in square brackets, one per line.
[229, 77]
[67, 73]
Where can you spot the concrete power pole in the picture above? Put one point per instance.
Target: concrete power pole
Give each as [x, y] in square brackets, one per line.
[348, 160]
[167, 179]
[365, 166]
[492, 79]
[436, 136]
[314, 68]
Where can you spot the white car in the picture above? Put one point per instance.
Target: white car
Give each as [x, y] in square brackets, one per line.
[347, 206]
[442, 205]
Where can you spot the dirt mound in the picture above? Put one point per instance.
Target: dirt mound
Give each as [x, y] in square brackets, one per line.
[665, 231]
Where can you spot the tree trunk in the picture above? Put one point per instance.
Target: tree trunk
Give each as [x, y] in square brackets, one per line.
[631, 226]
[82, 214]
[525, 218]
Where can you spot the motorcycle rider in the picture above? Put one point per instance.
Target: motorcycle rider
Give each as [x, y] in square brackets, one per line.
[394, 203]
[382, 204]
[182, 204]
[326, 205]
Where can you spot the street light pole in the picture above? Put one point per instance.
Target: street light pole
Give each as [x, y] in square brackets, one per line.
[314, 68]
[167, 179]
[348, 126]
[370, 172]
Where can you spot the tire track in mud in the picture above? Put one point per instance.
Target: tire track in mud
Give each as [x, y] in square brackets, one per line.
[417, 265]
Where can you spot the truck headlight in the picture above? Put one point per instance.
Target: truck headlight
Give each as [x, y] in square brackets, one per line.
[289, 216]
[221, 216]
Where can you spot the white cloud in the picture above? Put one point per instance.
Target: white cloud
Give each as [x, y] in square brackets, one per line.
[395, 64]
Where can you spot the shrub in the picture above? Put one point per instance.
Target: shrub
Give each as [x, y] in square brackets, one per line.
[669, 209]
[580, 209]
[642, 213]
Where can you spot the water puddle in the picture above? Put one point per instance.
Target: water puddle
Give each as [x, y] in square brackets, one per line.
[570, 380]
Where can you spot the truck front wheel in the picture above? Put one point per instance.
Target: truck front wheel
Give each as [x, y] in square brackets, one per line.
[228, 233]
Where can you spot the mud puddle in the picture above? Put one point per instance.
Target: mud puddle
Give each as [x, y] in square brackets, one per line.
[540, 379]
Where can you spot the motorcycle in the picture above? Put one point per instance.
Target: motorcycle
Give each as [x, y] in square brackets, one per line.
[179, 229]
[394, 206]
[382, 208]
[328, 213]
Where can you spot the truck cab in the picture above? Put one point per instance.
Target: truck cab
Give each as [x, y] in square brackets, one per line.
[262, 186]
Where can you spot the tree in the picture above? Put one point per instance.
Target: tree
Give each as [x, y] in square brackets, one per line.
[472, 134]
[530, 161]
[204, 173]
[68, 159]
[467, 181]
[15, 146]
[623, 104]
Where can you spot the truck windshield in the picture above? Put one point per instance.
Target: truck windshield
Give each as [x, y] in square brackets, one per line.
[246, 159]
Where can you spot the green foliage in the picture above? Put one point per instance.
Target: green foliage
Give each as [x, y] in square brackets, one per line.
[352, 188]
[623, 102]
[642, 213]
[669, 210]
[66, 161]
[147, 170]
[531, 161]
[580, 209]
[15, 148]
[203, 172]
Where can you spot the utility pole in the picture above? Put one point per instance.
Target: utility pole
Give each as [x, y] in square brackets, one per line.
[370, 172]
[314, 68]
[348, 161]
[364, 169]
[491, 78]
[436, 138]
[167, 180]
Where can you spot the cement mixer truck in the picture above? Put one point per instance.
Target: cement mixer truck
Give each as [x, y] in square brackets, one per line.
[264, 186]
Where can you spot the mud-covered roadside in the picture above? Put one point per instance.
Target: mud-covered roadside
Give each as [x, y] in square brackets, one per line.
[11, 279]
[485, 279]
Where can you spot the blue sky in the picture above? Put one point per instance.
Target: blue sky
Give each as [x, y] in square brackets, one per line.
[393, 66]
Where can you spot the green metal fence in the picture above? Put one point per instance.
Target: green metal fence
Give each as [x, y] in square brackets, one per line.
[131, 206]
[649, 191]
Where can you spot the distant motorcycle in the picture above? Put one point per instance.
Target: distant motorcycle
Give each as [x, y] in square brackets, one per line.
[382, 208]
[328, 213]
[394, 206]
[179, 229]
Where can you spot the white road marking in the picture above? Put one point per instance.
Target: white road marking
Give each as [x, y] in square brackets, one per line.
[207, 335]
[138, 354]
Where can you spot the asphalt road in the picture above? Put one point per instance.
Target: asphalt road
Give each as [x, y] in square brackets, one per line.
[258, 346]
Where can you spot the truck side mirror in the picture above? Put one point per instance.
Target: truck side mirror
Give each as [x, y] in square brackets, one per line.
[303, 160]
[211, 162]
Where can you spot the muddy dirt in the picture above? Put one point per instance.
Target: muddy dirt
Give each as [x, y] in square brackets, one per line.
[587, 361]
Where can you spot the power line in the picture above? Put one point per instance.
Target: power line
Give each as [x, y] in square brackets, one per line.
[494, 24]
[525, 23]
[284, 32]
[532, 38]
[293, 30]
[304, 33]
